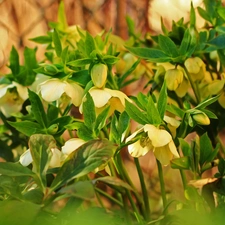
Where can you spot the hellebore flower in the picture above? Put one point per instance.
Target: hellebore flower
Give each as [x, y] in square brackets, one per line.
[174, 78]
[107, 97]
[155, 139]
[55, 161]
[12, 96]
[52, 89]
[196, 67]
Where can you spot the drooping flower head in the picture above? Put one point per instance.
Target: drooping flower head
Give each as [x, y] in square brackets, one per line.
[153, 139]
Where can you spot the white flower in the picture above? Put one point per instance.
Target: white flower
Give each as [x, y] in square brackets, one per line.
[12, 97]
[52, 89]
[71, 145]
[155, 139]
[55, 161]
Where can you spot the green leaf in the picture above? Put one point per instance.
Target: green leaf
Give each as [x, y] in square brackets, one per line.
[62, 16]
[14, 212]
[57, 43]
[221, 12]
[37, 109]
[64, 54]
[185, 147]
[135, 113]
[221, 167]
[192, 16]
[27, 127]
[205, 149]
[80, 62]
[168, 46]
[89, 111]
[207, 102]
[14, 61]
[123, 124]
[163, 27]
[152, 112]
[40, 146]
[180, 163]
[175, 110]
[84, 160]
[42, 39]
[110, 60]
[162, 101]
[6, 150]
[115, 181]
[81, 189]
[85, 132]
[218, 41]
[89, 44]
[185, 42]
[82, 77]
[204, 14]
[153, 55]
[101, 120]
[14, 169]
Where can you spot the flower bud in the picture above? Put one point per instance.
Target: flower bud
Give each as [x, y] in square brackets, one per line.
[174, 78]
[201, 118]
[99, 75]
[53, 129]
[51, 69]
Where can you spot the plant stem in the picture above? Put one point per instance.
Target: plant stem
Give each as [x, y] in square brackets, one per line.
[109, 197]
[184, 179]
[194, 87]
[162, 185]
[144, 190]
[124, 176]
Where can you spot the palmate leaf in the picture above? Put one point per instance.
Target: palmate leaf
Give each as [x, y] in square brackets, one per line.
[84, 160]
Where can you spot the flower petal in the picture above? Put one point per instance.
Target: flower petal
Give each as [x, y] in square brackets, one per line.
[52, 89]
[26, 158]
[56, 158]
[157, 136]
[100, 97]
[163, 154]
[22, 91]
[136, 150]
[71, 145]
[173, 149]
[117, 94]
[4, 88]
[75, 92]
[134, 134]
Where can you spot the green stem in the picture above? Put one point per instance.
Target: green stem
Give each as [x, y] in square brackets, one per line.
[162, 185]
[144, 190]
[194, 87]
[124, 176]
[184, 179]
[109, 197]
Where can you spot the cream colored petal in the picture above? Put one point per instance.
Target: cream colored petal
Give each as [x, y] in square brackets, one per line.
[75, 92]
[136, 150]
[134, 134]
[71, 145]
[8, 109]
[22, 91]
[40, 78]
[157, 136]
[56, 158]
[52, 89]
[173, 149]
[100, 97]
[172, 121]
[163, 154]
[26, 158]
[4, 88]
[117, 94]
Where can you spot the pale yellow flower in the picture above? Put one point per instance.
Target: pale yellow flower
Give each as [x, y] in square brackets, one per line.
[107, 97]
[12, 97]
[174, 78]
[172, 124]
[52, 89]
[155, 139]
[196, 68]
[71, 145]
[55, 161]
